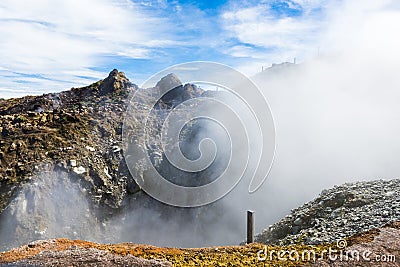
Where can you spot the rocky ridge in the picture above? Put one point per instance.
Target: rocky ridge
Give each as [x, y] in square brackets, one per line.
[76, 131]
[337, 213]
[71, 143]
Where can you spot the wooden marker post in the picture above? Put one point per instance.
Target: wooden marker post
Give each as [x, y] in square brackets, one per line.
[250, 226]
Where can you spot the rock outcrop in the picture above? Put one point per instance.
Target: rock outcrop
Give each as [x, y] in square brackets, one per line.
[174, 92]
[72, 140]
[338, 213]
[76, 131]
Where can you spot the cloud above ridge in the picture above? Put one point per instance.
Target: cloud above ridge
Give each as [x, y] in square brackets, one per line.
[54, 45]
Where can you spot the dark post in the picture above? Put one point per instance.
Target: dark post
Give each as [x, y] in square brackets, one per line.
[250, 226]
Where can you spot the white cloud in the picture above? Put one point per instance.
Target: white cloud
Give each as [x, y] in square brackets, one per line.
[58, 39]
[329, 26]
[263, 38]
[243, 51]
[372, 24]
[134, 53]
[63, 41]
[284, 37]
[343, 105]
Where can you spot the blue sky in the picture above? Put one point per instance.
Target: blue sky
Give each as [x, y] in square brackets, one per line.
[53, 45]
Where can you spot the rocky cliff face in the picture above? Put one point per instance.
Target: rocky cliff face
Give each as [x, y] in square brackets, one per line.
[76, 131]
[62, 168]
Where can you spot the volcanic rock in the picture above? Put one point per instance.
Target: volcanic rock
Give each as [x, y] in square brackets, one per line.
[77, 135]
[337, 213]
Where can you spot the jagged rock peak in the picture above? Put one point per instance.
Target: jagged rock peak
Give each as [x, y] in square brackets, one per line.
[115, 81]
[117, 75]
[114, 73]
[174, 92]
[168, 82]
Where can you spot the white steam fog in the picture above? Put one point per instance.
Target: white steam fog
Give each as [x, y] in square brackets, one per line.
[336, 116]
[53, 205]
[337, 120]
